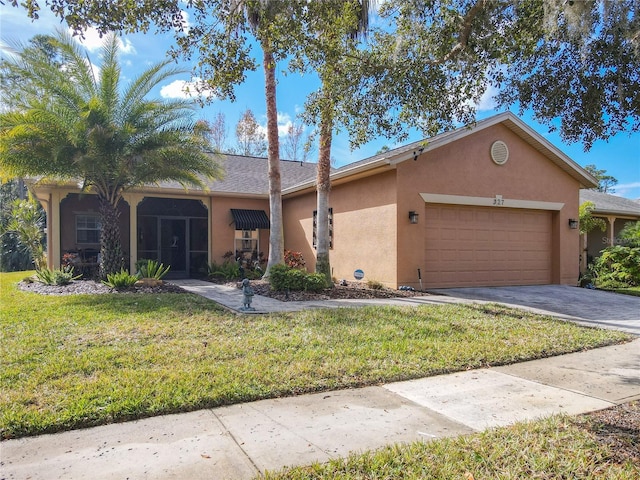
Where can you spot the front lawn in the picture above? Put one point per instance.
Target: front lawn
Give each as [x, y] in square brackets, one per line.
[75, 361]
[634, 291]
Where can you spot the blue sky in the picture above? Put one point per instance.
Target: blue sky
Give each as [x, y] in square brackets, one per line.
[620, 156]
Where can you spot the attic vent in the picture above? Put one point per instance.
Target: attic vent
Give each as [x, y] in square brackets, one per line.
[499, 152]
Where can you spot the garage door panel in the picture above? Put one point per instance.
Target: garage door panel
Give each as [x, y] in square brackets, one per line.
[474, 246]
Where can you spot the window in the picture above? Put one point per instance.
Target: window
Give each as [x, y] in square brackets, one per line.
[315, 228]
[246, 241]
[88, 229]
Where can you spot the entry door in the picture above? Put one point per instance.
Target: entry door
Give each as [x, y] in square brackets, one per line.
[173, 244]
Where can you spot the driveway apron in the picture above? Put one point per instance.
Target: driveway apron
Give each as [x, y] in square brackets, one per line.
[589, 307]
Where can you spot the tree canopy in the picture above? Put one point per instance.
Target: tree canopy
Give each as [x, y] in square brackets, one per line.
[95, 131]
[576, 64]
[606, 183]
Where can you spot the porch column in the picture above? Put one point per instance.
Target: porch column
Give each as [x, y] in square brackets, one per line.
[53, 229]
[133, 199]
[612, 234]
[209, 205]
[45, 201]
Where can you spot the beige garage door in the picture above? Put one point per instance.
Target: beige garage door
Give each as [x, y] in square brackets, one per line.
[483, 246]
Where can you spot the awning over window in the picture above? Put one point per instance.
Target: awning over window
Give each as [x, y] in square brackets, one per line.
[249, 219]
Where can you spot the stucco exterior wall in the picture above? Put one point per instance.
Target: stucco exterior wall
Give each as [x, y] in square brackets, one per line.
[364, 219]
[223, 229]
[465, 168]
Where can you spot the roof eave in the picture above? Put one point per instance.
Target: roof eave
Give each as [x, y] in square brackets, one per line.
[360, 170]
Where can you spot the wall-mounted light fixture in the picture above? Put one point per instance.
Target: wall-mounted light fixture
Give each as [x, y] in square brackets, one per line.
[413, 217]
[573, 223]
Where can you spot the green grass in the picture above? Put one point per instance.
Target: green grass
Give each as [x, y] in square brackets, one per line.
[554, 448]
[634, 291]
[76, 361]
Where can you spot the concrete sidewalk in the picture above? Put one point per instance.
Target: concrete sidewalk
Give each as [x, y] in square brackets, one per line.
[242, 441]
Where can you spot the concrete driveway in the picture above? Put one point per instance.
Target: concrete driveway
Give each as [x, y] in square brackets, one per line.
[585, 306]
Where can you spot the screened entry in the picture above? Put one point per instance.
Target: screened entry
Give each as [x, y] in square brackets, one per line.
[174, 232]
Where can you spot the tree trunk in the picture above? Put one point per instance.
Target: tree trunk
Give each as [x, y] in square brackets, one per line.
[323, 181]
[276, 234]
[111, 257]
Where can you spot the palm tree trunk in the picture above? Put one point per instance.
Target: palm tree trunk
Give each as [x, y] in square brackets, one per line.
[323, 264]
[111, 257]
[276, 234]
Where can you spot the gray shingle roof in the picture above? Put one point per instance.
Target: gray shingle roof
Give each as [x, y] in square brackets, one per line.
[606, 203]
[249, 175]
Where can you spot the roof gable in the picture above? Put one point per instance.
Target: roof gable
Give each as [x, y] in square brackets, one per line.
[411, 151]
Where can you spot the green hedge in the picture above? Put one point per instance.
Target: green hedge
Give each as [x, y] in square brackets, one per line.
[282, 277]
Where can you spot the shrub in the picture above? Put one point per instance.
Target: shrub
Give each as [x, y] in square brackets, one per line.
[630, 234]
[618, 265]
[278, 276]
[26, 222]
[375, 285]
[228, 270]
[62, 276]
[153, 269]
[121, 279]
[283, 277]
[314, 282]
[294, 259]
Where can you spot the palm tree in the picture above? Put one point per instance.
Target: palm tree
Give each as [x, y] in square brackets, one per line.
[68, 121]
[259, 15]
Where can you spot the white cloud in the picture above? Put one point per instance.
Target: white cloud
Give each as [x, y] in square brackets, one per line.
[628, 190]
[284, 122]
[93, 41]
[185, 89]
[486, 102]
[186, 24]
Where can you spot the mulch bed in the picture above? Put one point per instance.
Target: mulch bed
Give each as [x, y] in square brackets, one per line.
[353, 290]
[92, 287]
[344, 290]
[619, 428]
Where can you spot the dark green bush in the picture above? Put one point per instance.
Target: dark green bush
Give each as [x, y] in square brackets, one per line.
[227, 270]
[278, 277]
[282, 277]
[296, 279]
[618, 265]
[314, 282]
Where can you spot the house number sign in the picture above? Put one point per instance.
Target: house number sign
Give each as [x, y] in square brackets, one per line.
[498, 201]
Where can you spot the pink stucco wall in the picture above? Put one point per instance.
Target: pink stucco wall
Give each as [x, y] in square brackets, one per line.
[371, 225]
[223, 229]
[364, 218]
[465, 168]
